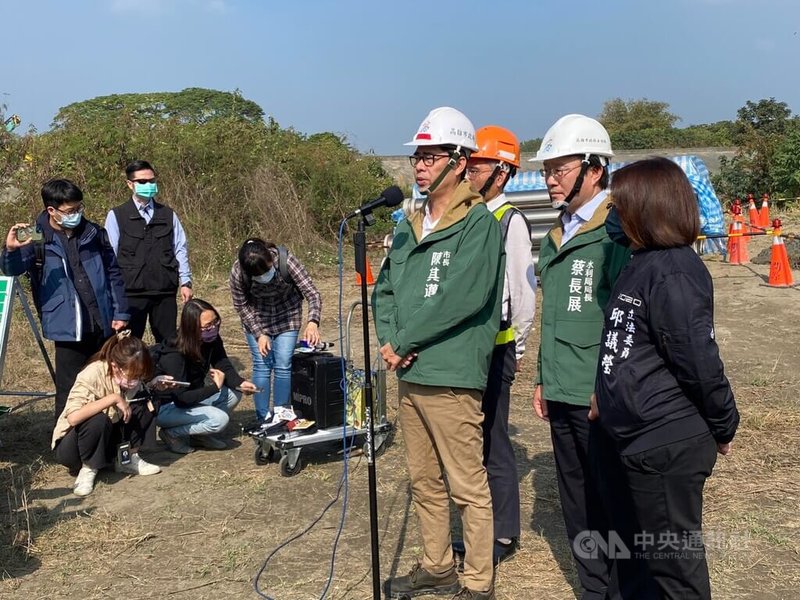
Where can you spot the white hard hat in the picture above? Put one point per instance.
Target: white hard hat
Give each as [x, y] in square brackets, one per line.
[575, 134]
[445, 126]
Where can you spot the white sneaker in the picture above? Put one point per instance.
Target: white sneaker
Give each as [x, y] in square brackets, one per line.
[137, 466]
[84, 482]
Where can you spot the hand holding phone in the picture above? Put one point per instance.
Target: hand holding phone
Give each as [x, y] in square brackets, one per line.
[166, 382]
[31, 232]
[248, 387]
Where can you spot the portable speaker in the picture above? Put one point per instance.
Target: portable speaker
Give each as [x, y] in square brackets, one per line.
[317, 388]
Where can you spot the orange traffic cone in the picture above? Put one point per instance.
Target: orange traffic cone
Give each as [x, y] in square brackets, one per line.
[737, 243]
[370, 276]
[752, 214]
[763, 214]
[780, 273]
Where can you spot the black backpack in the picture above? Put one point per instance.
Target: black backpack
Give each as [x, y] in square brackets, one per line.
[36, 274]
[283, 264]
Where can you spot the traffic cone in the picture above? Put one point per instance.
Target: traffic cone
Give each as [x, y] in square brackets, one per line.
[752, 214]
[764, 212]
[780, 273]
[370, 276]
[737, 243]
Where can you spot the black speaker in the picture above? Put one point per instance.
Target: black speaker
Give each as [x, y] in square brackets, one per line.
[317, 388]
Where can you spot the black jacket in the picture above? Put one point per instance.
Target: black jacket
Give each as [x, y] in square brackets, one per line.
[171, 362]
[659, 376]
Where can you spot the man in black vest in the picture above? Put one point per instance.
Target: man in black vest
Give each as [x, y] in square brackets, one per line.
[152, 252]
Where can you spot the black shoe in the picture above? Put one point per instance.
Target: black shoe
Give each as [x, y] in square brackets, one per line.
[500, 552]
[419, 582]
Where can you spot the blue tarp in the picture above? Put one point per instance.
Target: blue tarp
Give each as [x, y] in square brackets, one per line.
[711, 215]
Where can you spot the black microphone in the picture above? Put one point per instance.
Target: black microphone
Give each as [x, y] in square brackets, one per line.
[391, 196]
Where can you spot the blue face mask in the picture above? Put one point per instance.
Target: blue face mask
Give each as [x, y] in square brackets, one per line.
[145, 190]
[71, 221]
[266, 277]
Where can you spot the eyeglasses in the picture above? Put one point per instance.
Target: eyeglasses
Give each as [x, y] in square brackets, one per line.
[74, 211]
[143, 181]
[475, 171]
[559, 173]
[427, 159]
[210, 326]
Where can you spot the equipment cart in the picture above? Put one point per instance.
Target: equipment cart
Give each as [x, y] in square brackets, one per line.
[318, 392]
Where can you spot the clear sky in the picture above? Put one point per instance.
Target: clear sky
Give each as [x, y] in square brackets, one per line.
[372, 69]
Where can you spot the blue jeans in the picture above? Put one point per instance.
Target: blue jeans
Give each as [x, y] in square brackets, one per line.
[204, 418]
[279, 361]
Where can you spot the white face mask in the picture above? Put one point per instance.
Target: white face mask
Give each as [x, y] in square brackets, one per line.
[266, 277]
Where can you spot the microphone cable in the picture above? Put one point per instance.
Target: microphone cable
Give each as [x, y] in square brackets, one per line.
[347, 445]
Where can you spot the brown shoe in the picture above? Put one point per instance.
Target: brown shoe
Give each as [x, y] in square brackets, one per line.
[419, 582]
[468, 594]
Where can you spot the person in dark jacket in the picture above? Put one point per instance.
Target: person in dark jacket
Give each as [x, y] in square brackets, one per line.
[661, 392]
[152, 252]
[76, 281]
[199, 412]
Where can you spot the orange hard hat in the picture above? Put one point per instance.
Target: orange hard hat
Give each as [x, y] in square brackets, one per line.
[497, 143]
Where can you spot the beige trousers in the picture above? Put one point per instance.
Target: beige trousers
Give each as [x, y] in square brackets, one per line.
[443, 436]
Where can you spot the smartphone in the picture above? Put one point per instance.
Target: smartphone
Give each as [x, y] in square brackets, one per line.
[166, 379]
[255, 391]
[31, 232]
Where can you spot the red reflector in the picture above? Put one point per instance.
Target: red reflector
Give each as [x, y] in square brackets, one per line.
[422, 136]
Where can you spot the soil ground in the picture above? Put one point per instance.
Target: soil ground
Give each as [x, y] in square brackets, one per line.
[205, 525]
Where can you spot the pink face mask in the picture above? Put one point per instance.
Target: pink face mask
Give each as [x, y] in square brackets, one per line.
[122, 381]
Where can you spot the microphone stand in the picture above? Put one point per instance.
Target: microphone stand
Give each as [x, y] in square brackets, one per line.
[360, 246]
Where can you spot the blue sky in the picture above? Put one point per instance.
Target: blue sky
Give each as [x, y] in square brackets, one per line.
[371, 69]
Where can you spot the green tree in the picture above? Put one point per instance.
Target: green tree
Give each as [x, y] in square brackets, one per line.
[785, 169]
[760, 129]
[621, 116]
[732, 180]
[760, 132]
[530, 145]
[192, 105]
[765, 117]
